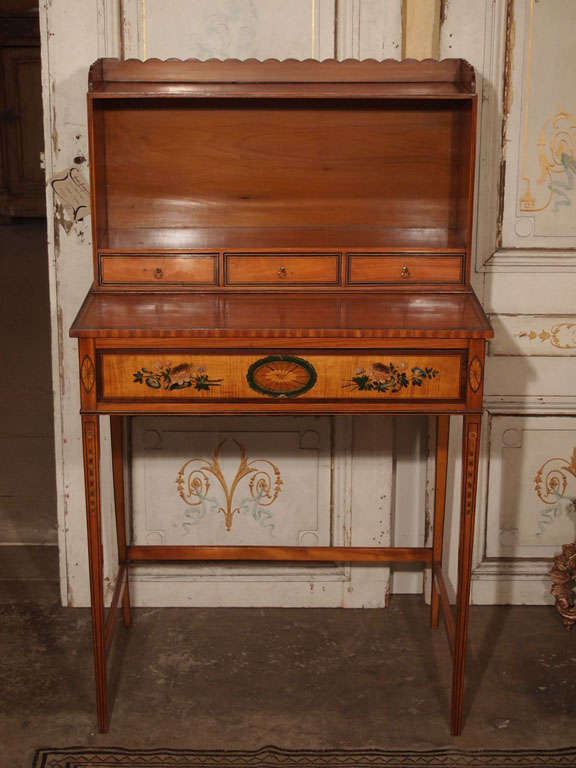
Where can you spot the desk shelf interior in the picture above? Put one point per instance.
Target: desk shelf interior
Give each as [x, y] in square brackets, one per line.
[188, 174]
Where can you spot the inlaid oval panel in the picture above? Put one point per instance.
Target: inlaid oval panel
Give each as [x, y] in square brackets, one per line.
[87, 373]
[281, 376]
[475, 373]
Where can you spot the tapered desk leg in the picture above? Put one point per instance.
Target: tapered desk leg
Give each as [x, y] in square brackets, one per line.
[442, 434]
[471, 449]
[91, 451]
[117, 436]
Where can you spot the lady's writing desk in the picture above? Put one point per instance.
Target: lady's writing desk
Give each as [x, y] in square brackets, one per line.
[284, 238]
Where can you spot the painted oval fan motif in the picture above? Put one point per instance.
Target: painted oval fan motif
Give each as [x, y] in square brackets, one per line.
[281, 376]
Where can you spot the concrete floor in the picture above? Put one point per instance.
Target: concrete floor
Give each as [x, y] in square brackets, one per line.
[238, 678]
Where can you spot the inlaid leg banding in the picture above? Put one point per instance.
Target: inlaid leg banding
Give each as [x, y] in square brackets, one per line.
[470, 455]
[91, 452]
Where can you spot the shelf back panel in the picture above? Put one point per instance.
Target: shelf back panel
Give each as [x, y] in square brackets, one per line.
[197, 163]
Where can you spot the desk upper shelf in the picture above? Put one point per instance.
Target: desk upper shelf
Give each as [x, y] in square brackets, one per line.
[307, 166]
[114, 78]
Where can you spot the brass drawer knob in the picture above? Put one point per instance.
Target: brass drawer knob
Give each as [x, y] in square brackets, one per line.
[158, 274]
[404, 272]
[282, 273]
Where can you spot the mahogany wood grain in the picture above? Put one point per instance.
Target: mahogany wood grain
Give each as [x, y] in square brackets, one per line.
[449, 79]
[345, 554]
[465, 190]
[157, 270]
[273, 71]
[98, 204]
[263, 342]
[281, 407]
[246, 165]
[429, 91]
[282, 269]
[336, 315]
[441, 472]
[369, 269]
[155, 238]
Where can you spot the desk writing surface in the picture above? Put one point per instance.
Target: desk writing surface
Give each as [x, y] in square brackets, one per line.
[385, 315]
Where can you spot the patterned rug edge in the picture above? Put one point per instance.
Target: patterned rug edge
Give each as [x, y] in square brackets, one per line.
[276, 757]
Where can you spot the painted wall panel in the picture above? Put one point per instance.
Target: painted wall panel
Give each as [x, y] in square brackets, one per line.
[225, 29]
[540, 193]
[544, 377]
[234, 481]
[521, 290]
[328, 480]
[531, 510]
[534, 335]
[368, 29]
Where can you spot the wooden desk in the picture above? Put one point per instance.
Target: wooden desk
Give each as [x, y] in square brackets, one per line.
[323, 301]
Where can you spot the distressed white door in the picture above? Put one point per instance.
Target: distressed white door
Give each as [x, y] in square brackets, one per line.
[342, 477]
[336, 473]
[525, 274]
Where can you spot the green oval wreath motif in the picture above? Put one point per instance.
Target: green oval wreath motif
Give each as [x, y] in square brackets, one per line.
[281, 376]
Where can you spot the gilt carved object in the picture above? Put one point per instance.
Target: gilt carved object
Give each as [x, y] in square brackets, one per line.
[563, 576]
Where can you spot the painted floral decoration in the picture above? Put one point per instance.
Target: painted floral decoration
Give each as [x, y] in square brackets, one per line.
[165, 376]
[389, 378]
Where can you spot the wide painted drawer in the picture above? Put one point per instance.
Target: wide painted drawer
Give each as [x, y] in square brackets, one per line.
[158, 271]
[178, 375]
[282, 269]
[370, 269]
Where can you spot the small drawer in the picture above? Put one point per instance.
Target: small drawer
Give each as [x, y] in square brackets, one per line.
[282, 268]
[373, 268]
[158, 271]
